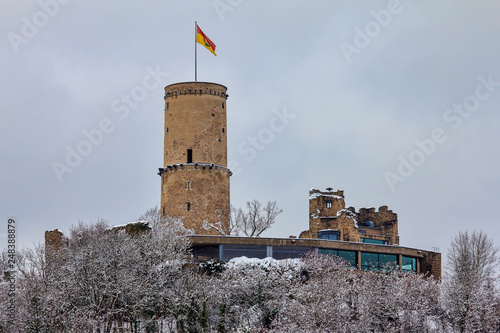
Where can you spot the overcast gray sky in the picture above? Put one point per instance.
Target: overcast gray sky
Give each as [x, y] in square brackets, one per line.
[395, 102]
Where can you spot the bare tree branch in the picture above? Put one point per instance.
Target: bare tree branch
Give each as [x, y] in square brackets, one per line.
[252, 223]
[258, 219]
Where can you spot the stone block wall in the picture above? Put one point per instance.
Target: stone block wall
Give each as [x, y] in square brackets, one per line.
[327, 211]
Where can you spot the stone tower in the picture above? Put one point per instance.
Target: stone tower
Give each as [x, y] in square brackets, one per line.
[195, 177]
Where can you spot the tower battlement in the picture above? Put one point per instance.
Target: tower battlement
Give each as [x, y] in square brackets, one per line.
[194, 166]
[195, 88]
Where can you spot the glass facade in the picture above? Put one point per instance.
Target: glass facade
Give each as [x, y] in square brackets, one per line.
[230, 251]
[409, 264]
[349, 256]
[204, 253]
[370, 261]
[288, 252]
[378, 261]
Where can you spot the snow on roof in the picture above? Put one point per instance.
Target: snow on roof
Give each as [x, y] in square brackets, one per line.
[145, 223]
[315, 195]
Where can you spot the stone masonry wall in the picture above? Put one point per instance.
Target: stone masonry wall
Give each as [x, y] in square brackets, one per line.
[207, 195]
[384, 219]
[195, 118]
[54, 238]
[327, 211]
[195, 178]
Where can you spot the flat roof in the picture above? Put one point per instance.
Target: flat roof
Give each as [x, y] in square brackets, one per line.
[198, 240]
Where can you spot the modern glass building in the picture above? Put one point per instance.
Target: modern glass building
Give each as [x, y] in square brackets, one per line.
[363, 256]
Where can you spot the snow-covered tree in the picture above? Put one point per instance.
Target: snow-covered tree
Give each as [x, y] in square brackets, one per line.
[470, 285]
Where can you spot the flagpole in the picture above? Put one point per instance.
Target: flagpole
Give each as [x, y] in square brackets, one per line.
[195, 69]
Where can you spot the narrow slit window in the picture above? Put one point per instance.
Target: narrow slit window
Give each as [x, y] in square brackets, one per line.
[189, 156]
[223, 105]
[188, 206]
[223, 130]
[166, 130]
[167, 106]
[188, 186]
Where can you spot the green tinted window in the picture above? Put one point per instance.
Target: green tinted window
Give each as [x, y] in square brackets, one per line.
[369, 261]
[349, 256]
[409, 264]
[378, 261]
[373, 241]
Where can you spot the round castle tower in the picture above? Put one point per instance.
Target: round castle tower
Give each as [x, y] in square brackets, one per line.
[195, 177]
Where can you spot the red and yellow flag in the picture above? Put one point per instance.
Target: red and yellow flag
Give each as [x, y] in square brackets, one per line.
[204, 40]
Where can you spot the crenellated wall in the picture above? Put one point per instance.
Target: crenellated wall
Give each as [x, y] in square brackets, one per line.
[327, 211]
[384, 220]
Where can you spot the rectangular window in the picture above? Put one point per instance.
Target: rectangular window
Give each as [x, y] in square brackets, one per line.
[387, 261]
[207, 252]
[329, 234]
[287, 252]
[231, 251]
[188, 186]
[328, 204]
[409, 264]
[189, 156]
[378, 261]
[369, 261]
[373, 241]
[167, 106]
[328, 251]
[349, 256]
[188, 206]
